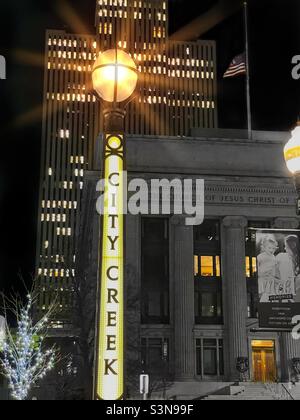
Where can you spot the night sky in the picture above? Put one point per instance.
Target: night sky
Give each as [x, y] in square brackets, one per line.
[274, 40]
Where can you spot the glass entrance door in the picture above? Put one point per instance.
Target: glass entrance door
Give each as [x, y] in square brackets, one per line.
[264, 361]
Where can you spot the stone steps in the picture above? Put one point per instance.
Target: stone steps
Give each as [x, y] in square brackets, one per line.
[245, 392]
[238, 398]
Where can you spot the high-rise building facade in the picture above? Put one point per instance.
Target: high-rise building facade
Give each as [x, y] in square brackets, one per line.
[177, 94]
[177, 79]
[70, 122]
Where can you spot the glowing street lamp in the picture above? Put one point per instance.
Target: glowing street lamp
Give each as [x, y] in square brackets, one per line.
[292, 158]
[115, 79]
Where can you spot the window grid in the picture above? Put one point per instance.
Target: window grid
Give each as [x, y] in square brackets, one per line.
[155, 355]
[207, 271]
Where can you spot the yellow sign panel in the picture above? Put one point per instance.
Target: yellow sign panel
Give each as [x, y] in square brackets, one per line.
[292, 153]
[110, 375]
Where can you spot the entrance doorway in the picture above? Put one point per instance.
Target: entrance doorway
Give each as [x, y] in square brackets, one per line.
[264, 361]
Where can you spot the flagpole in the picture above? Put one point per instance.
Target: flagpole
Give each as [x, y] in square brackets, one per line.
[248, 92]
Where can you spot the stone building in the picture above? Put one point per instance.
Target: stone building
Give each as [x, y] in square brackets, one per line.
[190, 290]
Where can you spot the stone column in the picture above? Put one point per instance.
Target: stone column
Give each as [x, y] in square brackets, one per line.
[184, 312]
[289, 348]
[133, 303]
[235, 292]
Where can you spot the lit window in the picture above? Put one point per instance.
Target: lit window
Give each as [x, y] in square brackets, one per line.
[196, 265]
[64, 134]
[251, 267]
[207, 266]
[218, 266]
[254, 264]
[78, 172]
[248, 270]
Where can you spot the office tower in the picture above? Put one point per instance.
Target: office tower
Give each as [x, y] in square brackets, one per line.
[70, 122]
[178, 84]
[177, 93]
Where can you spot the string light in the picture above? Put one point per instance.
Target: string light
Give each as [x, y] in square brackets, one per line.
[24, 360]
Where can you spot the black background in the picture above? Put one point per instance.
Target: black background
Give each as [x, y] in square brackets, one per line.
[274, 40]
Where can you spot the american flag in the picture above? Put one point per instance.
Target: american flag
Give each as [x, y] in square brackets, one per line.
[237, 66]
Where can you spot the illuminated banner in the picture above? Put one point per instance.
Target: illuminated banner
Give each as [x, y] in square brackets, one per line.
[110, 341]
[278, 276]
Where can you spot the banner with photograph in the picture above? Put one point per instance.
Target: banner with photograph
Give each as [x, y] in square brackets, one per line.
[278, 275]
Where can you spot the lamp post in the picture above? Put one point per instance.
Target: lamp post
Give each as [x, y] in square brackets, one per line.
[292, 158]
[115, 79]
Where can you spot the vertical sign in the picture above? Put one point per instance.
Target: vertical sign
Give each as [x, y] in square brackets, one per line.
[278, 275]
[109, 375]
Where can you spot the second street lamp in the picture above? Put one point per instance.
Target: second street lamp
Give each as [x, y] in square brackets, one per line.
[292, 158]
[115, 79]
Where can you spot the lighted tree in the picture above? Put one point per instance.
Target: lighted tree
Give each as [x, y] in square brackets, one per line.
[25, 359]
